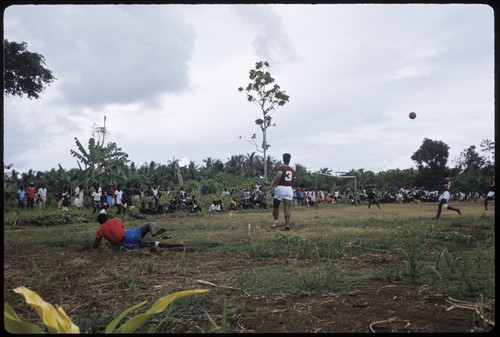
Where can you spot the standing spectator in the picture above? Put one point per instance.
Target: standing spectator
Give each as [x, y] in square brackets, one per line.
[76, 194]
[96, 198]
[31, 193]
[152, 191]
[21, 197]
[126, 198]
[77, 201]
[491, 193]
[42, 196]
[82, 191]
[61, 199]
[119, 200]
[284, 181]
[65, 200]
[79, 194]
[299, 195]
[444, 195]
[110, 195]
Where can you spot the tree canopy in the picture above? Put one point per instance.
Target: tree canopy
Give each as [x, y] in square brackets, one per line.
[24, 71]
[431, 159]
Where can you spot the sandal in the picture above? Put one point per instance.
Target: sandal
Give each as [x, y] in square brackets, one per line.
[275, 226]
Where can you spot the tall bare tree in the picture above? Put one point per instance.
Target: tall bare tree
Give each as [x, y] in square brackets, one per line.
[268, 97]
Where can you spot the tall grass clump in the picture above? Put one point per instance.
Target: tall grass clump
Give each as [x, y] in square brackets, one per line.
[463, 273]
[413, 254]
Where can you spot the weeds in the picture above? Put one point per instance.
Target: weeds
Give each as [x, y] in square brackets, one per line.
[413, 256]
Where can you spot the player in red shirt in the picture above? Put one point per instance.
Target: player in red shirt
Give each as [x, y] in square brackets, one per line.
[30, 192]
[112, 229]
[284, 182]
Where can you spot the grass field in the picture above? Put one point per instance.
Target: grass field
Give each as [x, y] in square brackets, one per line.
[341, 268]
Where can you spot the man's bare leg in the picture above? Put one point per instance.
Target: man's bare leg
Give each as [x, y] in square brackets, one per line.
[286, 210]
[276, 214]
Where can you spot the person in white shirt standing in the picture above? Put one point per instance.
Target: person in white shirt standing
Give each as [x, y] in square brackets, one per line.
[118, 200]
[96, 198]
[78, 194]
[42, 195]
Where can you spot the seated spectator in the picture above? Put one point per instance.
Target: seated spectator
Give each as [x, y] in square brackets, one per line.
[235, 204]
[193, 204]
[351, 200]
[215, 207]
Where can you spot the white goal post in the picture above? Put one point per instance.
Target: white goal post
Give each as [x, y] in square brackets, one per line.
[332, 176]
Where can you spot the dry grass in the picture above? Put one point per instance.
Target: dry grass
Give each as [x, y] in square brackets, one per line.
[340, 269]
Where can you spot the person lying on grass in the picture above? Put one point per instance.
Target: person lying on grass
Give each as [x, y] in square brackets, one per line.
[112, 229]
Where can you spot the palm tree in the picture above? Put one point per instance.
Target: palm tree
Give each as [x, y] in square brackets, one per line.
[253, 165]
[192, 170]
[235, 164]
[174, 164]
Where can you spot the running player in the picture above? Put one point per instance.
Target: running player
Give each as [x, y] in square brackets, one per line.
[444, 195]
[284, 182]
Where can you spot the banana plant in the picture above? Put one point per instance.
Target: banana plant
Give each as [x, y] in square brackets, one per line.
[106, 163]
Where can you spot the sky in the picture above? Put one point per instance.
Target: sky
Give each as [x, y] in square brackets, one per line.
[165, 77]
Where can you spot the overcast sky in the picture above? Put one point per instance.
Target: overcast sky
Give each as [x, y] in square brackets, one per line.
[166, 78]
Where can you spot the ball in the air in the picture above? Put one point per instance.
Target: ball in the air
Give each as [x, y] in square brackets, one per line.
[413, 115]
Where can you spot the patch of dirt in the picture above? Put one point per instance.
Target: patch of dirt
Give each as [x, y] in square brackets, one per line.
[87, 283]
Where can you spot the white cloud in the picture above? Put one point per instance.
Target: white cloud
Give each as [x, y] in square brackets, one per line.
[166, 77]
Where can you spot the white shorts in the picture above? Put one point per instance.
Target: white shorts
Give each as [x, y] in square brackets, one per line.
[490, 194]
[283, 192]
[444, 195]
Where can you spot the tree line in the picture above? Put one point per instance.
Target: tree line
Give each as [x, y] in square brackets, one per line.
[107, 165]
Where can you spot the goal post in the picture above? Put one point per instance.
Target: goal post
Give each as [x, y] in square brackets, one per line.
[316, 174]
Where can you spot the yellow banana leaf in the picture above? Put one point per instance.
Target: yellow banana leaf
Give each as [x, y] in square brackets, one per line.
[55, 319]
